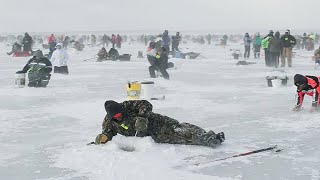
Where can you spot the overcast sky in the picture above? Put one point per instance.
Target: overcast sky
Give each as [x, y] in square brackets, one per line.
[101, 15]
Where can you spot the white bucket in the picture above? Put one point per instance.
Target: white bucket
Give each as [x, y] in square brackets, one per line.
[20, 80]
[276, 83]
[147, 90]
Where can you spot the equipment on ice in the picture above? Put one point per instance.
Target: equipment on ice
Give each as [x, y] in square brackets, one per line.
[20, 80]
[241, 154]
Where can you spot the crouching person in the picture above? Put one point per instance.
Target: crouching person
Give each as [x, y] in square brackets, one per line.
[38, 69]
[102, 54]
[307, 85]
[160, 64]
[135, 117]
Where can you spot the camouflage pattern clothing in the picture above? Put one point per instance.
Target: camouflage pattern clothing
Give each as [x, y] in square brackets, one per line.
[162, 129]
[38, 69]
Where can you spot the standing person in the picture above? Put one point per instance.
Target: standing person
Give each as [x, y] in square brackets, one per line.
[135, 117]
[247, 42]
[105, 40]
[27, 43]
[118, 41]
[265, 45]
[209, 37]
[308, 85]
[60, 59]
[288, 43]
[161, 64]
[38, 69]
[275, 48]
[304, 40]
[166, 41]
[66, 42]
[145, 39]
[175, 41]
[93, 40]
[51, 39]
[113, 40]
[257, 45]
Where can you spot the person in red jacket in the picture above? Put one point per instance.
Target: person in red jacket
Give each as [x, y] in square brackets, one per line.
[51, 39]
[307, 85]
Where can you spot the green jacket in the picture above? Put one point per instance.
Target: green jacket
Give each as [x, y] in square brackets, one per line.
[265, 42]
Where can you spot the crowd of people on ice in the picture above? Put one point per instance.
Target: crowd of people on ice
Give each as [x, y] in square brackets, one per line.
[132, 118]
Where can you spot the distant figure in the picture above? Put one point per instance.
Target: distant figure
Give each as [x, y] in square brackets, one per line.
[105, 40]
[93, 40]
[113, 54]
[118, 41]
[16, 48]
[113, 40]
[247, 42]
[102, 54]
[175, 42]
[257, 45]
[27, 43]
[166, 41]
[66, 42]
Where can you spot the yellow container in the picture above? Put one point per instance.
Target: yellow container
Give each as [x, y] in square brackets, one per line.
[133, 90]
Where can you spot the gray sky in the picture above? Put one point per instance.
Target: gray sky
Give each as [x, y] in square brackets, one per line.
[100, 15]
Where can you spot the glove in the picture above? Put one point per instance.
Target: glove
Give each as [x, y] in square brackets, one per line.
[101, 139]
[297, 108]
[141, 124]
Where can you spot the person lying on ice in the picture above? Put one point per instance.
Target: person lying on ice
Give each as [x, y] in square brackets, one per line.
[135, 117]
[308, 85]
[38, 68]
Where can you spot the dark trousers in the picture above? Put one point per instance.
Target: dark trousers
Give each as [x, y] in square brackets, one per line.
[257, 51]
[153, 69]
[274, 59]
[267, 57]
[246, 51]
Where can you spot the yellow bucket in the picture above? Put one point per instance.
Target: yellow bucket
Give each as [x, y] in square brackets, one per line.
[133, 90]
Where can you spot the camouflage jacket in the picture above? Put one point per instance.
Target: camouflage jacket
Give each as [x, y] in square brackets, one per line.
[158, 125]
[132, 109]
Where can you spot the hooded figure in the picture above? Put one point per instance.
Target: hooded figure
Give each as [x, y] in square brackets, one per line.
[307, 85]
[275, 49]
[135, 117]
[257, 45]
[38, 69]
[166, 41]
[27, 43]
[247, 42]
[59, 59]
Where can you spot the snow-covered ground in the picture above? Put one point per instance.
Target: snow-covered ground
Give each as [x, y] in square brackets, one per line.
[44, 131]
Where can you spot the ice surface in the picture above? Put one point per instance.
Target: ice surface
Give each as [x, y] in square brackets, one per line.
[44, 131]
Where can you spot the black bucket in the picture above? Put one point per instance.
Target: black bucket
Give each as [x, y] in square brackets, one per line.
[125, 57]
